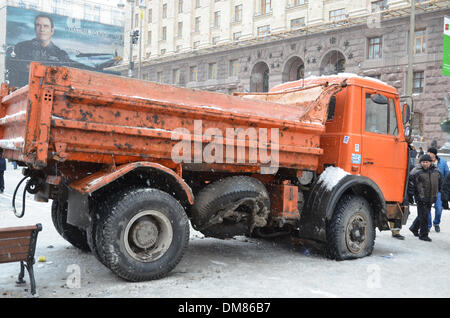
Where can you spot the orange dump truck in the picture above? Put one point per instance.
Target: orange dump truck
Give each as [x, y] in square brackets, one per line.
[131, 164]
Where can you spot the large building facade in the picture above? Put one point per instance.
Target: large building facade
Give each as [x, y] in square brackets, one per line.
[236, 45]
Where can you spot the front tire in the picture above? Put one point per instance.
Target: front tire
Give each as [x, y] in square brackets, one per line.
[351, 231]
[143, 236]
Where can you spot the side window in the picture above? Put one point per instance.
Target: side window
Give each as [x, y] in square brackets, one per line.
[393, 128]
[376, 116]
[381, 118]
[331, 108]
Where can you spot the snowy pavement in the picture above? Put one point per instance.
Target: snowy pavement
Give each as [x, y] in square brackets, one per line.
[240, 267]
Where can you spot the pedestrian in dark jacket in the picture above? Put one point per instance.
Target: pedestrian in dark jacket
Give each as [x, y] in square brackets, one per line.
[424, 184]
[441, 164]
[445, 192]
[2, 171]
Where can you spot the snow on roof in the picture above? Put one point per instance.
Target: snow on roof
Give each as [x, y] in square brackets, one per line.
[337, 76]
[346, 75]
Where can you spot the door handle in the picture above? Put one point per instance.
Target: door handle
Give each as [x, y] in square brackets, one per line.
[368, 162]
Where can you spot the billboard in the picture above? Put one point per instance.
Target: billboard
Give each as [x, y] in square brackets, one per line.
[52, 39]
[446, 56]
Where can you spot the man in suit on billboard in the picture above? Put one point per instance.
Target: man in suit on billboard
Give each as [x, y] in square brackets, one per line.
[40, 49]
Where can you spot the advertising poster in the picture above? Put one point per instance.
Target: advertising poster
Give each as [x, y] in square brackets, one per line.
[446, 57]
[57, 40]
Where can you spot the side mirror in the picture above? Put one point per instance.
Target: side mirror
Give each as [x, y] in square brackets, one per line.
[406, 113]
[379, 99]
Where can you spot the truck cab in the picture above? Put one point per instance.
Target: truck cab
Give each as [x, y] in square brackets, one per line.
[365, 137]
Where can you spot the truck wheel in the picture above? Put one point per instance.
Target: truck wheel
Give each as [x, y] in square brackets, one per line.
[351, 231]
[231, 206]
[97, 212]
[70, 233]
[143, 236]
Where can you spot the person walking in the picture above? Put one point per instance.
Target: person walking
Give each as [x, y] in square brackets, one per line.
[445, 192]
[412, 157]
[420, 153]
[423, 186]
[441, 164]
[2, 171]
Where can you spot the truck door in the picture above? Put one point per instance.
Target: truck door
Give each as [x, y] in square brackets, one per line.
[383, 155]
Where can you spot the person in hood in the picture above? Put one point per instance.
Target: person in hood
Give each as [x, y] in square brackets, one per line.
[423, 186]
[441, 164]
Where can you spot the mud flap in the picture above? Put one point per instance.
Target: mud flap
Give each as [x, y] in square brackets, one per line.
[78, 209]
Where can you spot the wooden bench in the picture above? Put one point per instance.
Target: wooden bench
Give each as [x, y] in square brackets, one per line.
[18, 244]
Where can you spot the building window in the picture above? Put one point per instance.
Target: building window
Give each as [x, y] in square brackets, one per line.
[374, 48]
[338, 15]
[418, 82]
[298, 2]
[150, 15]
[197, 24]
[136, 20]
[197, 4]
[178, 48]
[193, 74]
[149, 38]
[163, 51]
[212, 71]
[159, 76]
[297, 23]
[263, 30]
[237, 36]
[379, 5]
[180, 6]
[176, 76]
[196, 44]
[419, 42]
[234, 67]
[164, 10]
[217, 19]
[164, 33]
[265, 6]
[180, 30]
[238, 13]
[215, 40]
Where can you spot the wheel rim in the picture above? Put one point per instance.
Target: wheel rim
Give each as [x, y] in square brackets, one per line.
[356, 233]
[148, 236]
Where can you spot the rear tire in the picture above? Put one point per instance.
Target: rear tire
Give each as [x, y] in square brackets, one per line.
[143, 236]
[97, 213]
[70, 233]
[351, 231]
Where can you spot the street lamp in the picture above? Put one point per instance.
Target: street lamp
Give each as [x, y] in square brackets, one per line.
[121, 5]
[142, 7]
[412, 31]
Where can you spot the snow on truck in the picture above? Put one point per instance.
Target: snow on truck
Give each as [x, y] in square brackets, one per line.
[130, 164]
